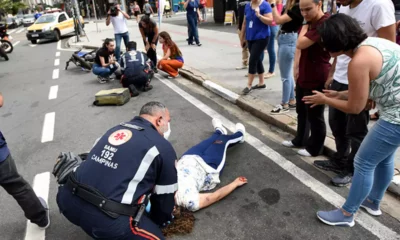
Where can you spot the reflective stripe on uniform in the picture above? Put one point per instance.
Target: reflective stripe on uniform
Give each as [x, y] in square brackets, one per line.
[141, 172]
[166, 189]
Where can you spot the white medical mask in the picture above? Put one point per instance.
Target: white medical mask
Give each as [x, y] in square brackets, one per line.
[167, 132]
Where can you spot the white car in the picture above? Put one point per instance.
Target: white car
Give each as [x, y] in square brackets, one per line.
[28, 20]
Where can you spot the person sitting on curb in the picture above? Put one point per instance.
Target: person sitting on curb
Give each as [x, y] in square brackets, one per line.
[136, 70]
[34, 207]
[200, 167]
[104, 63]
[172, 60]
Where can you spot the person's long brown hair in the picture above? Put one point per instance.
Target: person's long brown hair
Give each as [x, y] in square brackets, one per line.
[182, 225]
[290, 4]
[172, 46]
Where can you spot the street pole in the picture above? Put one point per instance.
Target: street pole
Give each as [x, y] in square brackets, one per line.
[123, 6]
[95, 15]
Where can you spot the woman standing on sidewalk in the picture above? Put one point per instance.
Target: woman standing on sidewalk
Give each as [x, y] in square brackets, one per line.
[172, 60]
[149, 31]
[274, 28]
[313, 71]
[193, 17]
[256, 32]
[291, 21]
[373, 74]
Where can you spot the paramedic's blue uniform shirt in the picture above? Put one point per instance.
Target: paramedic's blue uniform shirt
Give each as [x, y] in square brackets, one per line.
[4, 151]
[255, 29]
[127, 163]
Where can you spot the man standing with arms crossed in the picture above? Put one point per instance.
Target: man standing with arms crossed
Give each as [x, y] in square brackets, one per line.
[377, 19]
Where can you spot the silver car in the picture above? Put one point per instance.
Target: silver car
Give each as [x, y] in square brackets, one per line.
[28, 20]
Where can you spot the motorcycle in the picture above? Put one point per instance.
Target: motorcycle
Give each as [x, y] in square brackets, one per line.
[5, 40]
[82, 59]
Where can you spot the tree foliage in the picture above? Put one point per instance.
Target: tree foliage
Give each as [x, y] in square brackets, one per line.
[10, 6]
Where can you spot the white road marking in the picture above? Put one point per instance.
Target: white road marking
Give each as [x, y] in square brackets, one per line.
[368, 222]
[41, 187]
[16, 43]
[33, 45]
[53, 92]
[56, 62]
[56, 73]
[48, 127]
[57, 54]
[64, 49]
[21, 30]
[12, 31]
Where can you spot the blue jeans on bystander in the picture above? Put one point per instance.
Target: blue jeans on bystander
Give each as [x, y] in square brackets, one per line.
[286, 51]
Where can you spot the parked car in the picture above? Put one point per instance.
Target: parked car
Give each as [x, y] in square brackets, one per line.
[11, 23]
[28, 20]
[19, 18]
[51, 26]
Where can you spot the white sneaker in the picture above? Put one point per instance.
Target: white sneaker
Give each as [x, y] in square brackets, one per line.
[240, 128]
[304, 153]
[288, 144]
[242, 67]
[217, 124]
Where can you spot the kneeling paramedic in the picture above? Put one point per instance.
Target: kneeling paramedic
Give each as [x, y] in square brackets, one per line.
[136, 70]
[131, 164]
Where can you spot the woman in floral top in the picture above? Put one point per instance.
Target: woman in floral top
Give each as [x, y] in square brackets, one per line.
[172, 60]
[373, 74]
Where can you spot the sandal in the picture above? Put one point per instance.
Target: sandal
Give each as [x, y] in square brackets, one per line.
[374, 116]
[269, 75]
[258, 86]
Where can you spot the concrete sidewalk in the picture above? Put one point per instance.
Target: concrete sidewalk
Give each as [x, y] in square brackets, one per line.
[213, 66]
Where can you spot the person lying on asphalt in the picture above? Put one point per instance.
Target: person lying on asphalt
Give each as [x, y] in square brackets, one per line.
[136, 70]
[199, 169]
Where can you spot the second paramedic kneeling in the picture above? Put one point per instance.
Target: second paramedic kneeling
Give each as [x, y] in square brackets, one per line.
[131, 164]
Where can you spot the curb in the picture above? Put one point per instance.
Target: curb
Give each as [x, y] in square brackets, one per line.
[261, 110]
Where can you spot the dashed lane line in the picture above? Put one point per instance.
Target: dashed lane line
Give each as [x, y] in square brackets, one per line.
[53, 92]
[56, 62]
[48, 127]
[41, 185]
[56, 73]
[16, 43]
[366, 221]
[57, 54]
[21, 30]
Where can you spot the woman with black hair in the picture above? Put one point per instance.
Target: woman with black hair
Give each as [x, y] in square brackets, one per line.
[104, 62]
[149, 31]
[311, 71]
[373, 74]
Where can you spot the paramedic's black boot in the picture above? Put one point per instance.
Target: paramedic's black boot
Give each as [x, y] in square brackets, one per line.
[133, 90]
[147, 88]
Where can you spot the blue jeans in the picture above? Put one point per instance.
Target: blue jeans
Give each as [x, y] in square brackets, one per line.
[271, 48]
[373, 165]
[192, 28]
[103, 71]
[286, 51]
[118, 38]
[213, 149]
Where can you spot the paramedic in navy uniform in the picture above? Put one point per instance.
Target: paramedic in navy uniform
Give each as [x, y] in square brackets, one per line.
[129, 161]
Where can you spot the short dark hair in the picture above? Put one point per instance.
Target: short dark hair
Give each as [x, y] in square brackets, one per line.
[131, 45]
[152, 108]
[341, 32]
[149, 22]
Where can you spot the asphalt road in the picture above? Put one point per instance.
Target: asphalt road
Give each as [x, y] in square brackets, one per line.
[279, 202]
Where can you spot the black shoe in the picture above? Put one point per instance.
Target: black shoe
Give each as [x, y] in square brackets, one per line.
[147, 88]
[133, 90]
[155, 70]
[328, 165]
[46, 222]
[246, 91]
[190, 43]
[342, 179]
[199, 44]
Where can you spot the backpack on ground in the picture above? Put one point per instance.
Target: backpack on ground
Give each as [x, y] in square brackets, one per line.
[117, 96]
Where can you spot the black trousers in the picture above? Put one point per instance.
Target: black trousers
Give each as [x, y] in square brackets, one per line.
[309, 120]
[151, 53]
[349, 131]
[256, 49]
[16, 186]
